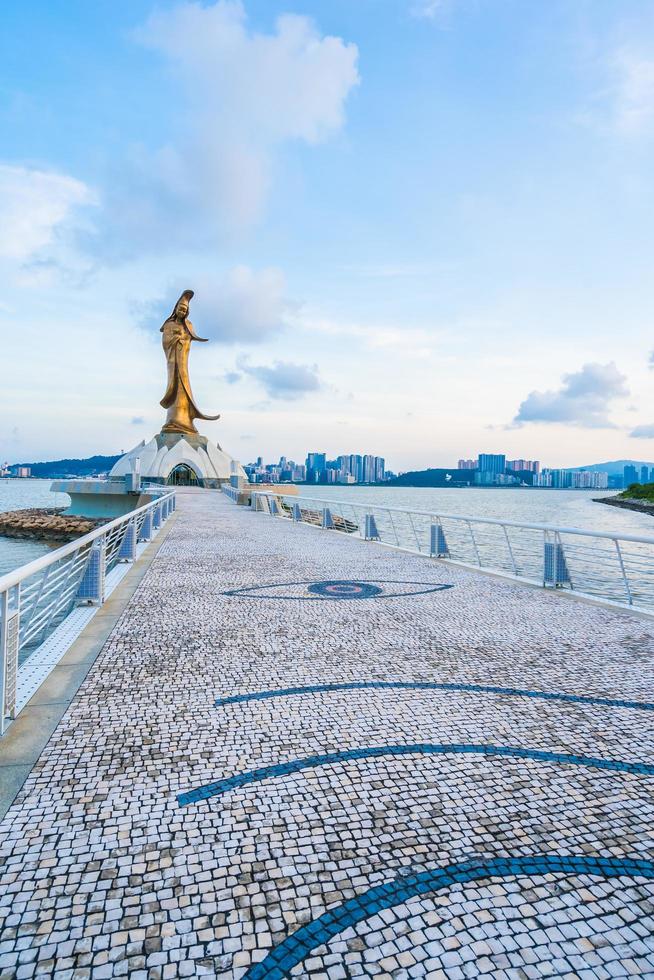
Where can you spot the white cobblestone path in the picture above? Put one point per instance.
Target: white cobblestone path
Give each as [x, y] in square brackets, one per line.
[494, 819]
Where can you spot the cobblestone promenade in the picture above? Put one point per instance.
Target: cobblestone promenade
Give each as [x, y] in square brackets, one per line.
[302, 755]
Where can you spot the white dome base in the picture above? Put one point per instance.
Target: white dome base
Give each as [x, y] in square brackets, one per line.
[159, 457]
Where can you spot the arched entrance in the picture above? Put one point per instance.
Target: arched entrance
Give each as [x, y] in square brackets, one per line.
[182, 476]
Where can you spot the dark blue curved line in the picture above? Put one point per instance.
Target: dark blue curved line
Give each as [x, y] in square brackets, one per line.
[247, 592]
[293, 950]
[427, 685]
[423, 748]
[312, 581]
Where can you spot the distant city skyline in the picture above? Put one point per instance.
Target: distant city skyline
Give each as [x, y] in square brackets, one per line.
[487, 469]
[346, 468]
[411, 225]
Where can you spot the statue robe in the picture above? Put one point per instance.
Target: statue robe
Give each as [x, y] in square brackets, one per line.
[178, 399]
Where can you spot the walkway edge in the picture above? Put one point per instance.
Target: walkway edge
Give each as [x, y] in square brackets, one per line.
[28, 735]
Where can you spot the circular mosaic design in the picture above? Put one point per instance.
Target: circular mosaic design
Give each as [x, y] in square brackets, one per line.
[341, 589]
[337, 589]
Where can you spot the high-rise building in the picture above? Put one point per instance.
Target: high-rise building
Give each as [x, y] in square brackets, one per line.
[467, 464]
[651, 475]
[490, 463]
[644, 474]
[369, 469]
[590, 480]
[523, 465]
[572, 479]
[316, 467]
[630, 475]
[347, 468]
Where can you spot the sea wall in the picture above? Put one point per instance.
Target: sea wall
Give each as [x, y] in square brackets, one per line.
[45, 524]
[644, 506]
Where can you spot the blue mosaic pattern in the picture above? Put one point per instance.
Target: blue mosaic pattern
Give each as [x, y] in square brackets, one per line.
[421, 748]
[343, 589]
[337, 589]
[296, 947]
[428, 686]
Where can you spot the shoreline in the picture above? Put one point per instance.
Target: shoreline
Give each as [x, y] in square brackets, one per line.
[45, 524]
[642, 506]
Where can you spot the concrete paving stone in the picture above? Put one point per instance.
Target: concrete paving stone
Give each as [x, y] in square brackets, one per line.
[105, 872]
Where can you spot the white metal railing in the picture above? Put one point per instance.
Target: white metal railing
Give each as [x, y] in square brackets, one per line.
[36, 598]
[615, 568]
[232, 492]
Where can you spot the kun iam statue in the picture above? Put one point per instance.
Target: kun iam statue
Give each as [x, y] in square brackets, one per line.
[178, 333]
[178, 454]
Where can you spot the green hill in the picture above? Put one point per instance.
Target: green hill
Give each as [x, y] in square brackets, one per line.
[69, 467]
[434, 478]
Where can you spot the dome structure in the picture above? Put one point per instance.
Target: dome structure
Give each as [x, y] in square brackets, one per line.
[173, 458]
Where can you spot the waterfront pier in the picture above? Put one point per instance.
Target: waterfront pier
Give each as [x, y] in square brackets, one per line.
[299, 753]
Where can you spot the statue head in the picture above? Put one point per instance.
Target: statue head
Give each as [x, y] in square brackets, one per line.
[180, 311]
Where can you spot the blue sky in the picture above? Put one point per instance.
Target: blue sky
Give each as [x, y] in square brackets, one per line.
[420, 228]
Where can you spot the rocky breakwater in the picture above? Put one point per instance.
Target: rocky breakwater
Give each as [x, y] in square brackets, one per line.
[45, 524]
[627, 503]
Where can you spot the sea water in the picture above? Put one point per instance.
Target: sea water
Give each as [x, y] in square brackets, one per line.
[21, 495]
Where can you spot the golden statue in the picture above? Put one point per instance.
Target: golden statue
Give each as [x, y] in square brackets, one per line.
[178, 333]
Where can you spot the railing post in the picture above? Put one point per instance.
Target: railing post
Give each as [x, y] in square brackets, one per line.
[9, 641]
[372, 534]
[397, 537]
[156, 517]
[438, 544]
[274, 507]
[91, 588]
[555, 568]
[127, 550]
[146, 528]
[297, 512]
[508, 544]
[474, 543]
[327, 519]
[625, 579]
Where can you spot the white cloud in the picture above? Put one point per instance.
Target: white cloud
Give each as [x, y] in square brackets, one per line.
[407, 341]
[583, 398]
[38, 209]
[248, 306]
[427, 9]
[643, 432]
[284, 380]
[246, 93]
[633, 93]
[243, 305]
